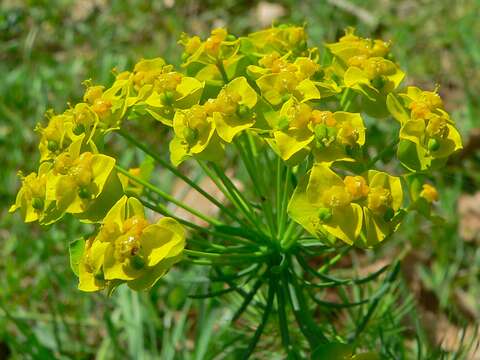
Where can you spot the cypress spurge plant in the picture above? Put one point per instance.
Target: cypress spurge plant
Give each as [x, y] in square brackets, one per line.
[297, 122]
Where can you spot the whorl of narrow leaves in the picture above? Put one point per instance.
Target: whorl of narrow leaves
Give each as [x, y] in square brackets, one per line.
[272, 87]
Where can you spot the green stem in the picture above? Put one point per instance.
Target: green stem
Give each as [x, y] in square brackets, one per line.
[221, 68]
[257, 175]
[177, 173]
[227, 234]
[382, 153]
[263, 322]
[168, 197]
[302, 313]
[282, 314]
[240, 200]
[225, 258]
[285, 197]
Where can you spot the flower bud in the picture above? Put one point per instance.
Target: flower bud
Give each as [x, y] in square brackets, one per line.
[79, 129]
[167, 97]
[137, 262]
[190, 135]
[321, 132]
[37, 203]
[243, 111]
[433, 144]
[52, 145]
[324, 214]
[378, 82]
[429, 193]
[84, 193]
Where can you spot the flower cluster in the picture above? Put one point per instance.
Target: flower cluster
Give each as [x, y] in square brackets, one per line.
[308, 110]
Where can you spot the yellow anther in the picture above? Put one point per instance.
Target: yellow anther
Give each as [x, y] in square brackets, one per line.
[347, 134]
[93, 93]
[336, 197]
[135, 225]
[437, 126]
[433, 100]
[420, 110]
[357, 60]
[356, 186]
[62, 164]
[379, 200]
[102, 107]
[308, 67]
[429, 193]
[82, 169]
[109, 231]
[192, 45]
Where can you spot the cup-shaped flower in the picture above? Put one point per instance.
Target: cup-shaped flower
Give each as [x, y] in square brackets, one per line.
[280, 39]
[350, 46]
[279, 79]
[90, 266]
[373, 76]
[194, 135]
[382, 206]
[85, 121]
[31, 198]
[323, 205]
[218, 47]
[83, 183]
[233, 109]
[110, 105]
[428, 135]
[170, 91]
[331, 136]
[357, 210]
[57, 136]
[136, 251]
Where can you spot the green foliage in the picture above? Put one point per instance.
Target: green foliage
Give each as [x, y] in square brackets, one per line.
[48, 48]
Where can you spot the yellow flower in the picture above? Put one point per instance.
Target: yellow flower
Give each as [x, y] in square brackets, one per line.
[383, 203]
[136, 251]
[328, 134]
[281, 39]
[278, 79]
[429, 193]
[31, 198]
[352, 46]
[323, 205]
[356, 210]
[233, 109]
[195, 135]
[201, 58]
[57, 135]
[90, 271]
[83, 183]
[170, 91]
[372, 76]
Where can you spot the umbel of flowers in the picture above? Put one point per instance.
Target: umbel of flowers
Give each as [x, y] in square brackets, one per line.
[271, 99]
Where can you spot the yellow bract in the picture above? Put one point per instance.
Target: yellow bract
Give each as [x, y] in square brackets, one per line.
[329, 135]
[428, 134]
[355, 209]
[130, 249]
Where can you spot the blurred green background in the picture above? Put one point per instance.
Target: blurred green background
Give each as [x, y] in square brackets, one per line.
[47, 48]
